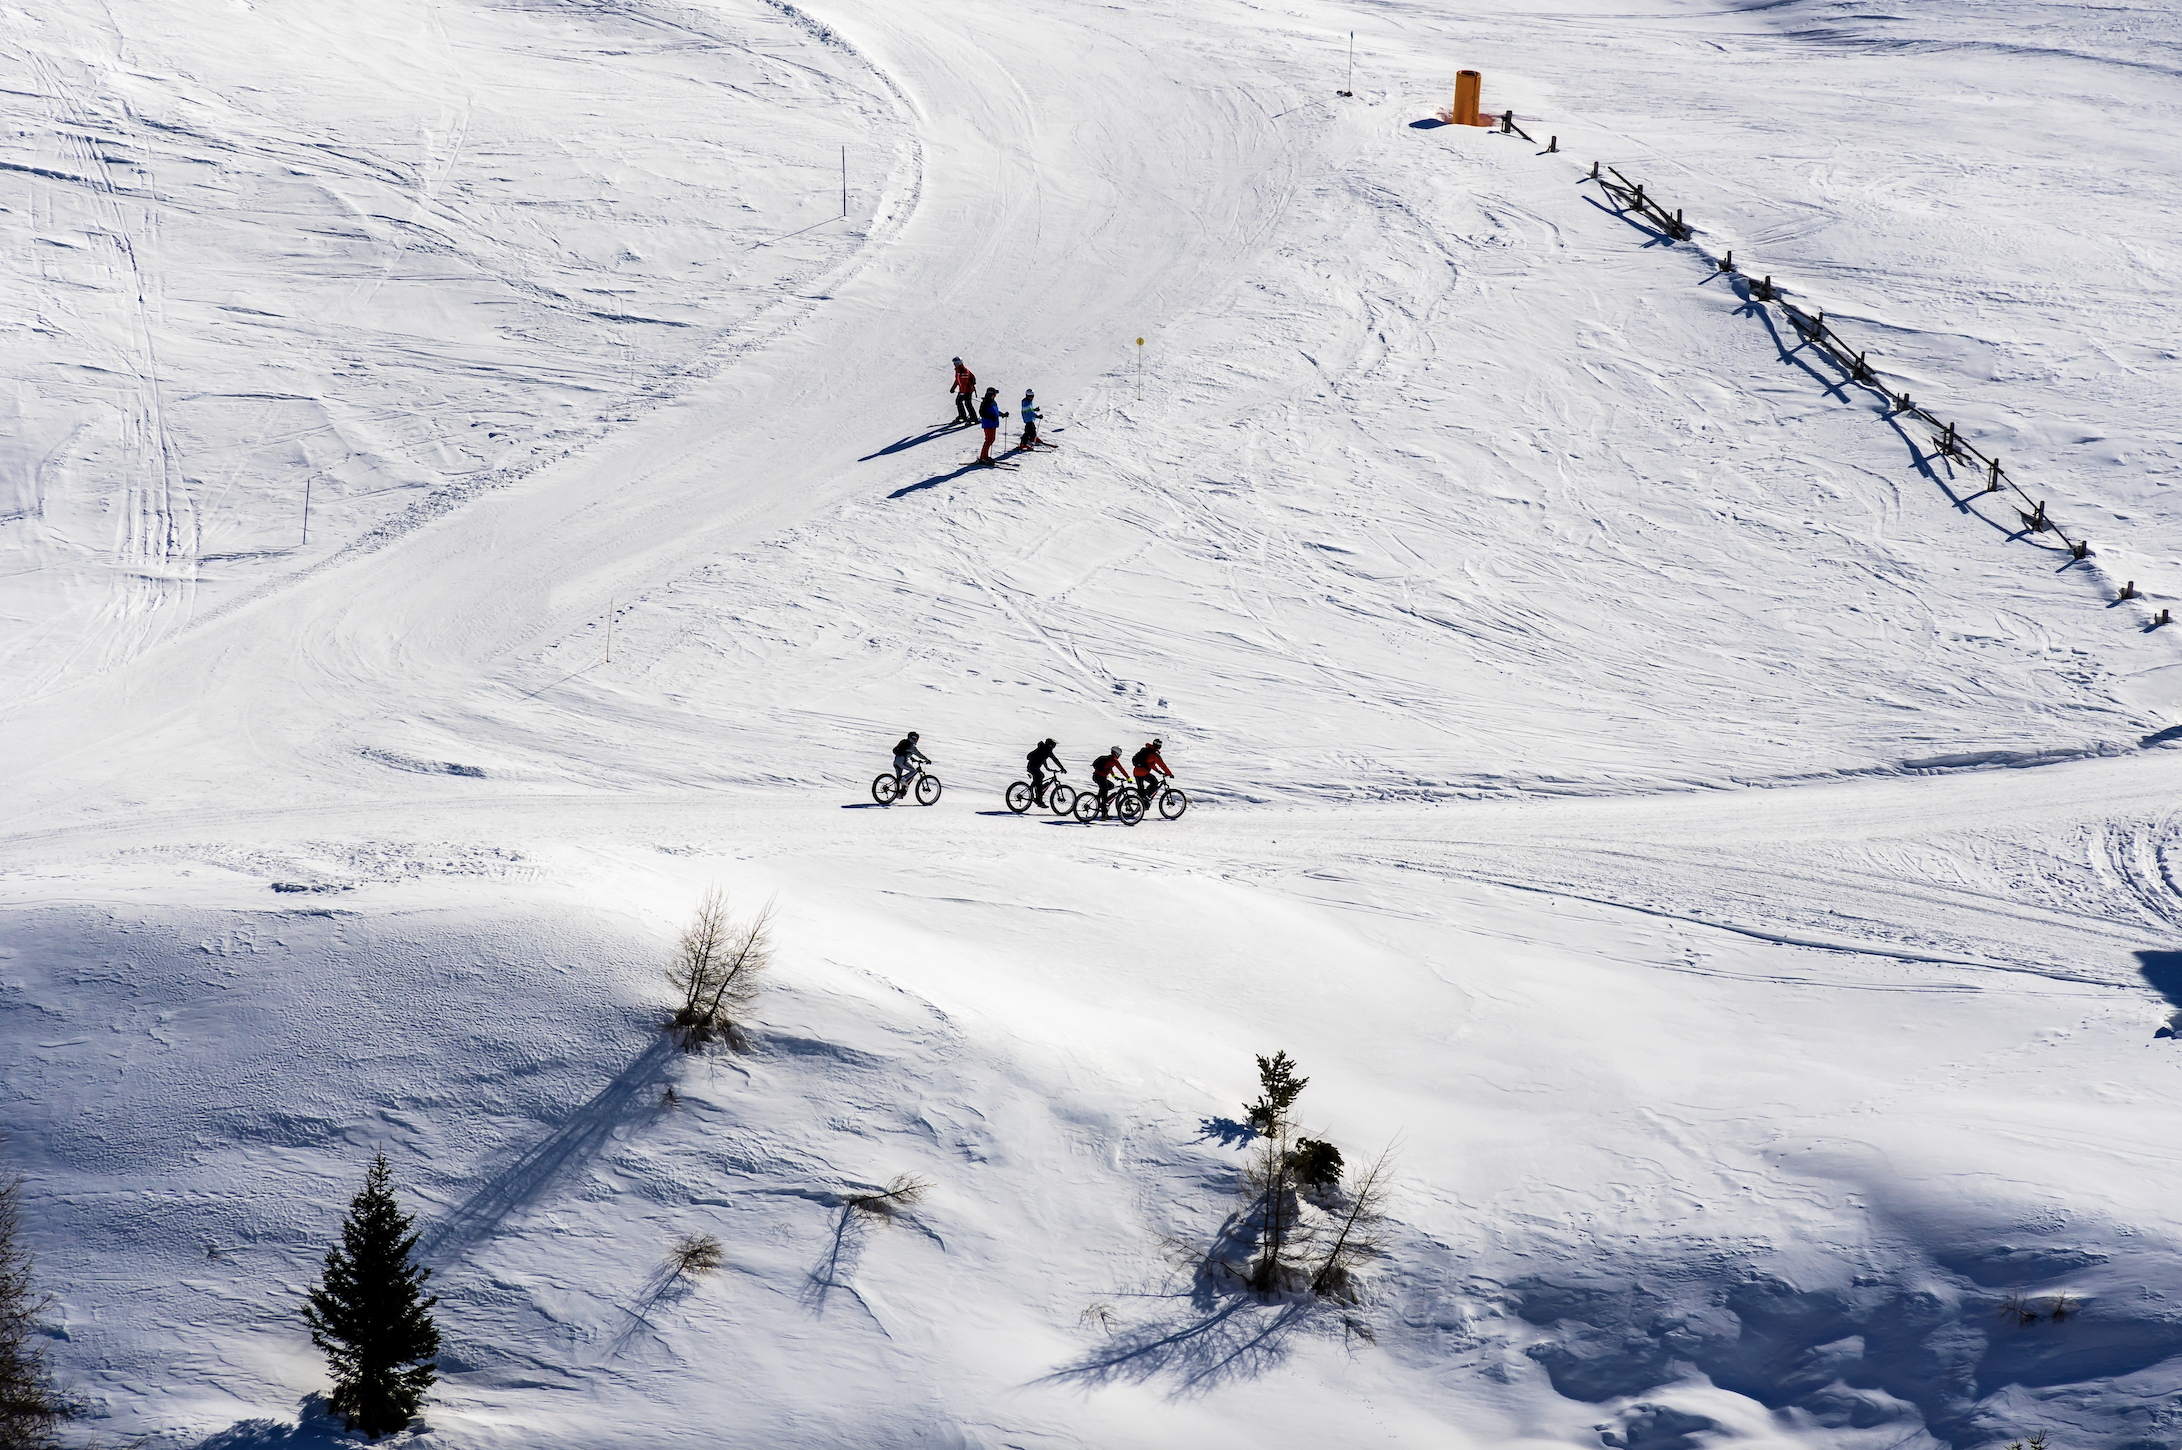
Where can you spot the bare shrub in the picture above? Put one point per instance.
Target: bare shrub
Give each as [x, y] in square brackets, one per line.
[904, 1190]
[31, 1409]
[2018, 1310]
[719, 967]
[1360, 1234]
[695, 1255]
[1100, 1316]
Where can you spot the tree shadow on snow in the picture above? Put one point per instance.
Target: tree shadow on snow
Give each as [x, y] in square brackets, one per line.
[573, 1143]
[911, 442]
[838, 1260]
[1226, 1132]
[2163, 972]
[663, 1286]
[314, 1426]
[1216, 1341]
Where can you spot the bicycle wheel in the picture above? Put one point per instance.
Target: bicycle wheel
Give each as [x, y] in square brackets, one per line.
[1172, 803]
[1129, 806]
[884, 788]
[1086, 808]
[1019, 797]
[928, 789]
[1062, 799]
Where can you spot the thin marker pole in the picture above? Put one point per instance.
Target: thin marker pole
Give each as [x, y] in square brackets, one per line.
[844, 182]
[1352, 65]
[1140, 370]
[306, 509]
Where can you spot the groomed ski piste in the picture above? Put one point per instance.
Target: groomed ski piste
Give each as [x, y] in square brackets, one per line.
[1732, 861]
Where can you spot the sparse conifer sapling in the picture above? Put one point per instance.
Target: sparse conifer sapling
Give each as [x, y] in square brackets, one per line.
[31, 1409]
[371, 1316]
[718, 966]
[1271, 1178]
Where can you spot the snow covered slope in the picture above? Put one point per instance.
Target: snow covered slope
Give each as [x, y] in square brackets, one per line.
[1598, 711]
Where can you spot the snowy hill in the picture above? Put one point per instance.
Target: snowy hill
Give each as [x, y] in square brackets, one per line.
[1633, 772]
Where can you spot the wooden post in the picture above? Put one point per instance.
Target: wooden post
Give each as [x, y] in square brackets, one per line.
[1594, 171]
[1553, 144]
[2129, 590]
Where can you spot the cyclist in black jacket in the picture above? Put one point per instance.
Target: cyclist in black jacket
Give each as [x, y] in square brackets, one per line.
[907, 757]
[1044, 765]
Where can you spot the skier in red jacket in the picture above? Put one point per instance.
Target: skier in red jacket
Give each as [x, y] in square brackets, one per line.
[965, 389]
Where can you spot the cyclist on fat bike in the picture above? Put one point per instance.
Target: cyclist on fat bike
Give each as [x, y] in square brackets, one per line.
[907, 757]
[1149, 769]
[1044, 767]
[1105, 771]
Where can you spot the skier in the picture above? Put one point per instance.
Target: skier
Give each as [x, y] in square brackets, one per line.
[965, 390]
[1103, 771]
[989, 416]
[1148, 767]
[907, 757]
[1030, 422]
[1044, 767]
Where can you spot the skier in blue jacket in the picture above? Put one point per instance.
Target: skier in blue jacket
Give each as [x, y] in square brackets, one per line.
[988, 418]
[1030, 421]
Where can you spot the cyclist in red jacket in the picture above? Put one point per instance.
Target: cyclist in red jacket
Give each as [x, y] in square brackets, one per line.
[1105, 771]
[1149, 768]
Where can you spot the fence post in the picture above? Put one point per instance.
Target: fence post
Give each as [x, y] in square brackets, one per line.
[1553, 144]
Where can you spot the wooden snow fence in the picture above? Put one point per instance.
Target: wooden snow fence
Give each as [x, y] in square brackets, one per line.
[1813, 328]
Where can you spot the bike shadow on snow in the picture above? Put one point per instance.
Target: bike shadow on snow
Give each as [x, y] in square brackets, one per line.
[900, 444]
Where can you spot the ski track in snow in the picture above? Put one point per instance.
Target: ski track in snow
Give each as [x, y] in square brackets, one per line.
[1732, 863]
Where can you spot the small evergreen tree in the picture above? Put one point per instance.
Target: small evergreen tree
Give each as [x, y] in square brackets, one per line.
[1317, 1163]
[1272, 1178]
[371, 1316]
[1278, 1087]
[31, 1410]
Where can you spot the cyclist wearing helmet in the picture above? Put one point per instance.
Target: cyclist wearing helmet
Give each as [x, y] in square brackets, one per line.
[1043, 765]
[1149, 769]
[1105, 771]
[907, 757]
